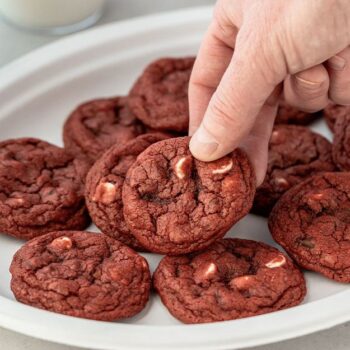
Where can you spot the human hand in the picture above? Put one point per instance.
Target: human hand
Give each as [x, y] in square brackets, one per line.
[300, 46]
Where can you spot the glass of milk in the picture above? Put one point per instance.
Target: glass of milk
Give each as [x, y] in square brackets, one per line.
[52, 16]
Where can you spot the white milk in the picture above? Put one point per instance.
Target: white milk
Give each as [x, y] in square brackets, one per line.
[49, 13]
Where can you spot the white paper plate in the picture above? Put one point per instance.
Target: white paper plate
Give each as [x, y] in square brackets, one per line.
[36, 94]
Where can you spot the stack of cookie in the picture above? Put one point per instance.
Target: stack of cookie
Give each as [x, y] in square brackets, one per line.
[127, 166]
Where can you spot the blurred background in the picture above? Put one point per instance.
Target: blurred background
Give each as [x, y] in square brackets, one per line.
[21, 20]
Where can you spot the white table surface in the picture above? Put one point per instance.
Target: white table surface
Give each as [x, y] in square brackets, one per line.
[14, 43]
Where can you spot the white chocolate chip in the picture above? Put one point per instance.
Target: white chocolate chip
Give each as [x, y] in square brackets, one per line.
[317, 196]
[276, 262]
[15, 202]
[224, 168]
[181, 167]
[105, 193]
[274, 136]
[210, 270]
[144, 264]
[62, 243]
[242, 282]
[18, 200]
[281, 181]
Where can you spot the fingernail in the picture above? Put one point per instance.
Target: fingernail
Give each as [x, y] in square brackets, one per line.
[337, 63]
[202, 144]
[308, 83]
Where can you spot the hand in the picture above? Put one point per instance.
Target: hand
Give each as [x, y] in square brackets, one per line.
[298, 45]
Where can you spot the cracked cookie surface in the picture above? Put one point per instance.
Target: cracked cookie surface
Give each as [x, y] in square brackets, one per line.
[96, 125]
[287, 114]
[159, 98]
[312, 223]
[81, 274]
[295, 153]
[332, 112]
[231, 279]
[341, 142]
[104, 187]
[175, 204]
[41, 189]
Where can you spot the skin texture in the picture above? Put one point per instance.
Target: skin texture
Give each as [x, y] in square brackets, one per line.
[159, 97]
[252, 51]
[231, 279]
[287, 114]
[81, 274]
[295, 153]
[41, 189]
[96, 125]
[104, 187]
[175, 204]
[311, 222]
[341, 142]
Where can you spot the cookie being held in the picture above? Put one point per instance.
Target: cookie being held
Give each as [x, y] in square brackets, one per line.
[175, 204]
[41, 189]
[81, 274]
[312, 222]
[233, 278]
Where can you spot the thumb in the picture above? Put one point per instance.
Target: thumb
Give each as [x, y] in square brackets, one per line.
[252, 75]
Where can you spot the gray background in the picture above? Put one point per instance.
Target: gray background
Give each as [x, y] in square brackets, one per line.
[14, 43]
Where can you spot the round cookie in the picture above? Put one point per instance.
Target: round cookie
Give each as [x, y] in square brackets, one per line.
[295, 153]
[312, 223]
[41, 189]
[175, 204]
[233, 278]
[96, 125]
[341, 142]
[104, 187]
[333, 111]
[287, 114]
[159, 97]
[81, 274]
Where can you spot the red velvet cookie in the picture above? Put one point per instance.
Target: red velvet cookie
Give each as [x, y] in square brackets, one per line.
[333, 111]
[175, 204]
[233, 278]
[159, 97]
[312, 223]
[341, 142]
[96, 125]
[41, 189]
[104, 187]
[287, 114]
[81, 274]
[295, 153]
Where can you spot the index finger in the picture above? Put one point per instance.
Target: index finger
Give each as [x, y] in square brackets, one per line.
[213, 58]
